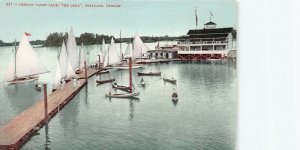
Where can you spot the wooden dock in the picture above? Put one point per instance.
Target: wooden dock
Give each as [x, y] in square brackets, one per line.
[20, 129]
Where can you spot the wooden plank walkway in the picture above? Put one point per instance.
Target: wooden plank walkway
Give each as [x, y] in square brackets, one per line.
[18, 130]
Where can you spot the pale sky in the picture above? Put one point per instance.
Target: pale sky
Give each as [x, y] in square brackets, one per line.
[147, 17]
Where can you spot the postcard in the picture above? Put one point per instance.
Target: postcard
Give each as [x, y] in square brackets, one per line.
[119, 74]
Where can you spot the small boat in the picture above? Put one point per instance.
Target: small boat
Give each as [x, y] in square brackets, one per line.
[121, 87]
[174, 96]
[104, 81]
[77, 72]
[123, 95]
[143, 83]
[125, 67]
[149, 73]
[172, 80]
[103, 71]
[38, 87]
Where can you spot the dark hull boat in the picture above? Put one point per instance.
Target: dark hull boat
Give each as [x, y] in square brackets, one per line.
[149, 73]
[104, 81]
[120, 87]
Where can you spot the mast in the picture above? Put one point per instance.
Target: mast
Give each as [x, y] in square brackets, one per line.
[15, 67]
[121, 47]
[130, 75]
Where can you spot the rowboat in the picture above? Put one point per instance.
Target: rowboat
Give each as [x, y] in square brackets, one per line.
[172, 80]
[121, 87]
[103, 71]
[104, 81]
[174, 96]
[123, 95]
[143, 83]
[149, 73]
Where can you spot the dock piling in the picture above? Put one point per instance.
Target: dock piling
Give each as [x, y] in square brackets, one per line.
[85, 72]
[45, 103]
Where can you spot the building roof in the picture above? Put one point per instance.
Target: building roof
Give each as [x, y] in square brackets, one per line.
[210, 23]
[210, 31]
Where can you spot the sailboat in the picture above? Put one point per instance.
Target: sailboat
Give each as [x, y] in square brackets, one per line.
[24, 64]
[82, 58]
[73, 53]
[127, 54]
[139, 48]
[113, 56]
[58, 77]
[130, 93]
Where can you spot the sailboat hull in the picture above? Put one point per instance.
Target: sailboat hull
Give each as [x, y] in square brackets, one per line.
[126, 67]
[125, 95]
[23, 80]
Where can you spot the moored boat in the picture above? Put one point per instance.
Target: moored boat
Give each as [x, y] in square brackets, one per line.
[125, 67]
[121, 87]
[174, 96]
[171, 80]
[123, 95]
[149, 73]
[24, 64]
[104, 81]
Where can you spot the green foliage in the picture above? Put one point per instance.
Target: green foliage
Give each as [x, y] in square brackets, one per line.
[55, 39]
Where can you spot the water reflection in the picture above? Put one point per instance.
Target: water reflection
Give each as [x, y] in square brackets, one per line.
[69, 119]
[21, 96]
[85, 98]
[175, 102]
[47, 138]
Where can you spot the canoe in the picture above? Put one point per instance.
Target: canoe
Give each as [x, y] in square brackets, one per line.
[123, 95]
[172, 80]
[120, 87]
[149, 73]
[103, 71]
[104, 81]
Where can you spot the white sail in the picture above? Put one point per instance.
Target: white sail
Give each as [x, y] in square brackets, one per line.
[83, 58]
[73, 53]
[58, 76]
[70, 72]
[27, 62]
[105, 63]
[101, 57]
[10, 73]
[114, 57]
[128, 52]
[63, 60]
[139, 48]
[103, 49]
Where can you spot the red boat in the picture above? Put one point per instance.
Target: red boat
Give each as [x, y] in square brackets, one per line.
[104, 81]
[149, 73]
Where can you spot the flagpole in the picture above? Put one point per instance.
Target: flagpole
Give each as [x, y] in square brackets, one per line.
[196, 17]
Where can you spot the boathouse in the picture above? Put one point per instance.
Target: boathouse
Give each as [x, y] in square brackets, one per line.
[163, 52]
[207, 43]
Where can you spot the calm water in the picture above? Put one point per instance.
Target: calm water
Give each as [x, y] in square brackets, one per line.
[203, 118]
